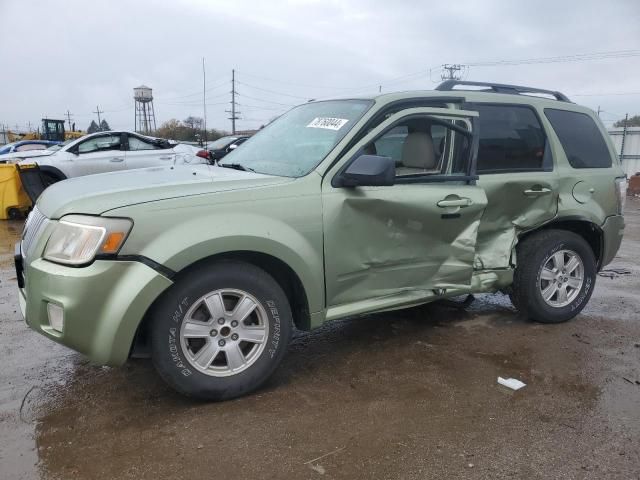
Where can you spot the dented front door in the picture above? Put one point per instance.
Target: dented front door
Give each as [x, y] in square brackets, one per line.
[402, 242]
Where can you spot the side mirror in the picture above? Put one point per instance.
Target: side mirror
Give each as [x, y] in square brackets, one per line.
[368, 171]
[233, 147]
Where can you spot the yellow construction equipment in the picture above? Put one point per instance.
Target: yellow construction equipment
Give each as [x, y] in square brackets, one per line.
[52, 129]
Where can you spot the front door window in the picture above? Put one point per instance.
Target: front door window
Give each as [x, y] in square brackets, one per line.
[98, 144]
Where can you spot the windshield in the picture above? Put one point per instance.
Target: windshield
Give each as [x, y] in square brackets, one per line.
[220, 143]
[57, 147]
[298, 141]
[7, 148]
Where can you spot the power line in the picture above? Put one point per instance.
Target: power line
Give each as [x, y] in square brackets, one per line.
[582, 57]
[221, 84]
[195, 102]
[271, 91]
[392, 80]
[258, 107]
[604, 94]
[266, 101]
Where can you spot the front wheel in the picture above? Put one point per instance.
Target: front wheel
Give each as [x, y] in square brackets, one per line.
[555, 276]
[221, 330]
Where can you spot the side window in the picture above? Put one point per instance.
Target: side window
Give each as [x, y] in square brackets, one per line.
[511, 140]
[136, 143]
[97, 144]
[31, 146]
[580, 138]
[422, 146]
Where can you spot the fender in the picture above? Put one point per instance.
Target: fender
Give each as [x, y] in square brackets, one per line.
[581, 225]
[54, 171]
[269, 226]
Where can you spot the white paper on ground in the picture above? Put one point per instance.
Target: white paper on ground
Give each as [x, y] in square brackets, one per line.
[512, 383]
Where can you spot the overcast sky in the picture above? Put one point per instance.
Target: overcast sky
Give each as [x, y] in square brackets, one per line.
[76, 55]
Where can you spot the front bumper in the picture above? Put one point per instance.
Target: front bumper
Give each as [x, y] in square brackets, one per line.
[103, 304]
[612, 231]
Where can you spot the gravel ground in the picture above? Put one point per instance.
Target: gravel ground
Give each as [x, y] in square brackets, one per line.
[408, 394]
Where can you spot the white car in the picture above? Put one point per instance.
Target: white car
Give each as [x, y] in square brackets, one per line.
[107, 152]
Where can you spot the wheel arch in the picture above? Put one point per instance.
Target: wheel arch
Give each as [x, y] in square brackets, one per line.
[51, 170]
[590, 231]
[286, 277]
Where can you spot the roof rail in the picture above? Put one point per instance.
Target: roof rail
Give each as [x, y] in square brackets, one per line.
[448, 85]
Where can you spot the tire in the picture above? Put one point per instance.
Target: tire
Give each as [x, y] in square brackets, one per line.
[536, 276]
[14, 213]
[185, 335]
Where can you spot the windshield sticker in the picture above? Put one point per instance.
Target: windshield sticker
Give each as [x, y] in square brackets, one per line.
[327, 123]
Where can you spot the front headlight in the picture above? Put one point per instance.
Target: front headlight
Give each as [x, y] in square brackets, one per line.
[77, 239]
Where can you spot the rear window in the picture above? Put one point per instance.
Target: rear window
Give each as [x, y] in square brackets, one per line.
[580, 138]
[511, 140]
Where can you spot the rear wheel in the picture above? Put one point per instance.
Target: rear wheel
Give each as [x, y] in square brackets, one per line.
[555, 276]
[221, 330]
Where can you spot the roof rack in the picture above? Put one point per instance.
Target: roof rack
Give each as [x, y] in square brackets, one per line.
[448, 85]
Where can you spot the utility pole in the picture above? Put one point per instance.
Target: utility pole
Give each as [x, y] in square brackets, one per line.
[599, 111]
[450, 70]
[204, 101]
[233, 112]
[98, 111]
[29, 125]
[624, 136]
[68, 114]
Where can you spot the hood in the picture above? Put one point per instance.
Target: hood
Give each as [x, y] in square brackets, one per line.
[96, 194]
[17, 156]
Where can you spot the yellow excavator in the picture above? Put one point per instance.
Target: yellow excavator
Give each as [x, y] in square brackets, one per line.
[51, 130]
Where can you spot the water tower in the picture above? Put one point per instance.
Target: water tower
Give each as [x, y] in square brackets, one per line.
[145, 121]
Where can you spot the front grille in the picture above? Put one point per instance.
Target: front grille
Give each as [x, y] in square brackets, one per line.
[36, 221]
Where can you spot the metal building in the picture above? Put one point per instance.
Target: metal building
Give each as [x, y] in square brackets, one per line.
[630, 141]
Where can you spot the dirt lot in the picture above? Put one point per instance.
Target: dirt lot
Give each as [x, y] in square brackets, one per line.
[408, 394]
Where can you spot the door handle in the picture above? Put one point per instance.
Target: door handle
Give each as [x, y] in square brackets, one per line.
[530, 192]
[169, 157]
[117, 159]
[455, 202]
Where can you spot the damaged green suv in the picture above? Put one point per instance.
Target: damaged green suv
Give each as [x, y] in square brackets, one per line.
[338, 208]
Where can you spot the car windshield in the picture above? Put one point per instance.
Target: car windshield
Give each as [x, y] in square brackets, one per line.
[220, 143]
[7, 148]
[57, 147]
[298, 141]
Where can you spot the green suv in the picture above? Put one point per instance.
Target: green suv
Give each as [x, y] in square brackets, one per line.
[338, 208]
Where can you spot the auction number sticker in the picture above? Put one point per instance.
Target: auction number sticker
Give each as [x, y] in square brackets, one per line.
[328, 123]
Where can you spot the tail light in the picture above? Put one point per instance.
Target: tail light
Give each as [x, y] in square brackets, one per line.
[203, 154]
[621, 191]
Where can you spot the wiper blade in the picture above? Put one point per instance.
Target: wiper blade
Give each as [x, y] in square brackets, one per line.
[236, 166]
